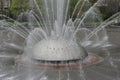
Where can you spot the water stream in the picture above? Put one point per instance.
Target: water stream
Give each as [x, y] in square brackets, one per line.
[55, 45]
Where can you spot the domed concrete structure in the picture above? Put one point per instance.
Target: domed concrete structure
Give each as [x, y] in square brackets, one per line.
[58, 50]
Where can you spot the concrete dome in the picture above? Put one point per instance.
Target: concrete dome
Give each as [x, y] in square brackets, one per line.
[58, 50]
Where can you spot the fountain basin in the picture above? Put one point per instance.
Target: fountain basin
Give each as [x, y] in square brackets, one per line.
[91, 59]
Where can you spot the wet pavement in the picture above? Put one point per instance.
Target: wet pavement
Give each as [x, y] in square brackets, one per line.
[114, 35]
[101, 69]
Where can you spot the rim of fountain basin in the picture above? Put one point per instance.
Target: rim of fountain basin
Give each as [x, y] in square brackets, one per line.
[82, 58]
[90, 60]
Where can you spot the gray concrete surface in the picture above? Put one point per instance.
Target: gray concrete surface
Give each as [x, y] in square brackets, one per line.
[114, 35]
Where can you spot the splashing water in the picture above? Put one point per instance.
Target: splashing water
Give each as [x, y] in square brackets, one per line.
[56, 44]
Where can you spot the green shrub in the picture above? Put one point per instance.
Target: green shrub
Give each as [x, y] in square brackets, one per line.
[19, 6]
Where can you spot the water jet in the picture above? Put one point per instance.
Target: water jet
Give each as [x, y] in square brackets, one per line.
[58, 47]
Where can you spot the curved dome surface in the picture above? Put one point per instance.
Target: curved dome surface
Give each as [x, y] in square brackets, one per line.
[58, 50]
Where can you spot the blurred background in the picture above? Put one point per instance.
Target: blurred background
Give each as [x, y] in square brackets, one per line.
[13, 8]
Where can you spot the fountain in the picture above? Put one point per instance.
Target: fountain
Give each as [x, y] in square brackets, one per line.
[57, 46]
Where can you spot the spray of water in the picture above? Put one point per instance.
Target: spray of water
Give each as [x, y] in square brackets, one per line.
[54, 45]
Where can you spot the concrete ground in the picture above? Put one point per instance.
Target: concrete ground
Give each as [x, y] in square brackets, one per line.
[114, 35]
[103, 71]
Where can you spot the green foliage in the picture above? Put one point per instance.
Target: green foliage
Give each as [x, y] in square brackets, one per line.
[72, 5]
[40, 5]
[92, 1]
[19, 6]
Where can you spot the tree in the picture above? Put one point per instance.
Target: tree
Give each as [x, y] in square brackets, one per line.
[1, 6]
[72, 6]
[109, 8]
[92, 1]
[19, 6]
